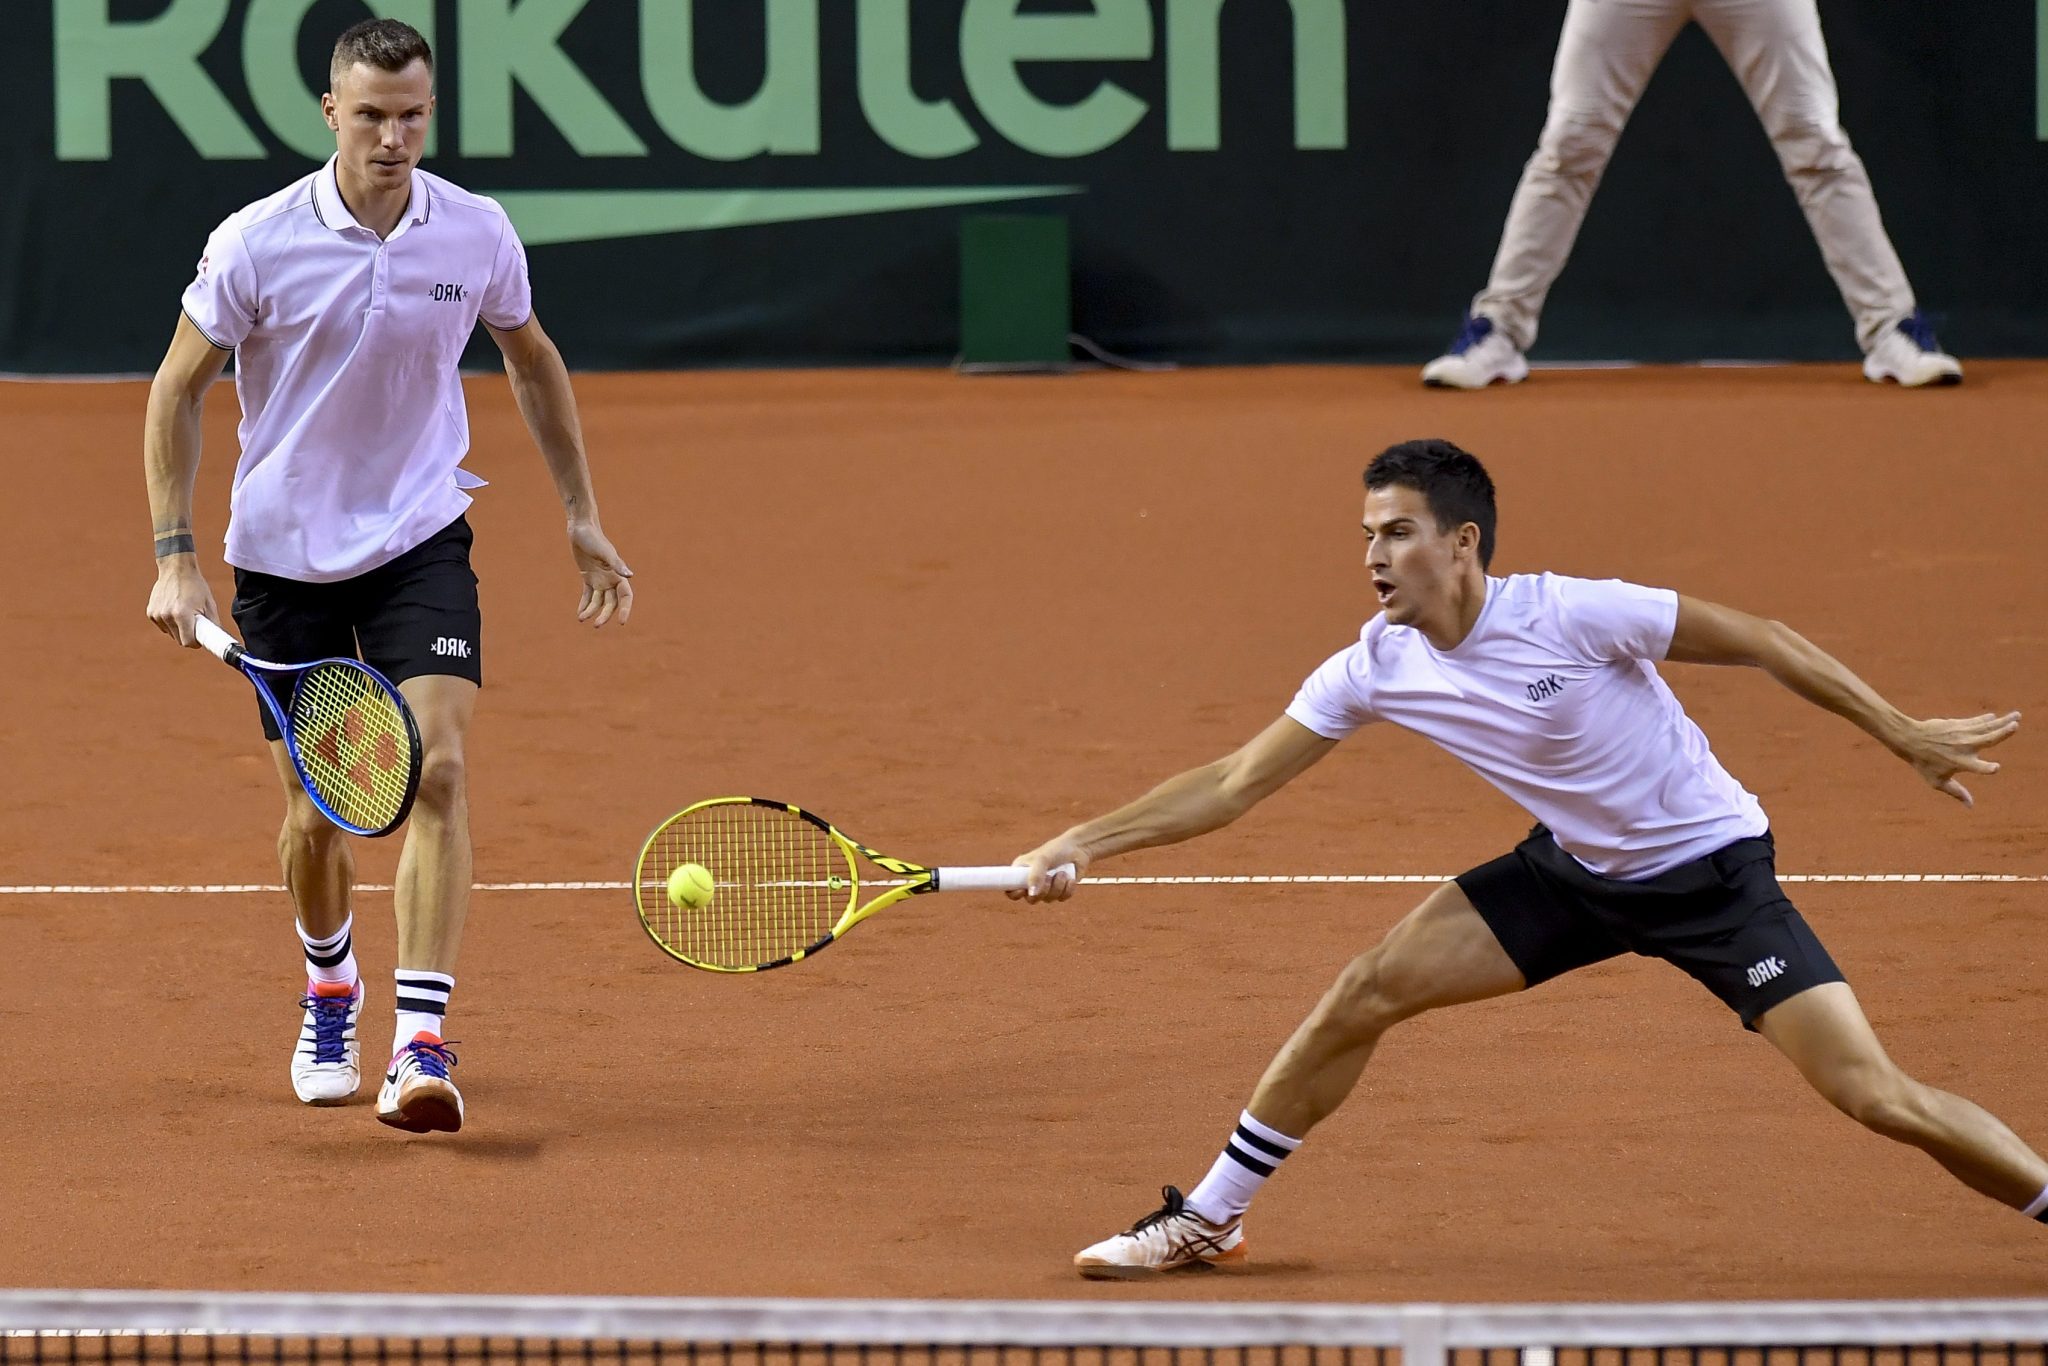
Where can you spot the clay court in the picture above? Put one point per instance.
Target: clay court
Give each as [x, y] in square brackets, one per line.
[954, 616]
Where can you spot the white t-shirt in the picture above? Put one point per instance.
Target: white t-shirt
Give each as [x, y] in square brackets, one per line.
[346, 347]
[1553, 699]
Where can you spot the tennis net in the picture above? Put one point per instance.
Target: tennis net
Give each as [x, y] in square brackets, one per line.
[44, 1328]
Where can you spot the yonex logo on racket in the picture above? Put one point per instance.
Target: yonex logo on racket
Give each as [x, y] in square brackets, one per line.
[450, 646]
[352, 739]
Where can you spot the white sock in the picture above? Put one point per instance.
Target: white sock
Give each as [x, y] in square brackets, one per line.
[2039, 1209]
[330, 958]
[1253, 1154]
[422, 999]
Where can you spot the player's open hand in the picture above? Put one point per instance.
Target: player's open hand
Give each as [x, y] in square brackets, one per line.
[1055, 870]
[180, 596]
[607, 583]
[1939, 750]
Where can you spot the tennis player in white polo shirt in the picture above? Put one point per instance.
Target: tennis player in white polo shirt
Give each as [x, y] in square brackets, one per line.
[346, 299]
[1547, 687]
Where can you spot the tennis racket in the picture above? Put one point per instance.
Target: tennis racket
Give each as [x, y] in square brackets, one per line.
[785, 884]
[351, 736]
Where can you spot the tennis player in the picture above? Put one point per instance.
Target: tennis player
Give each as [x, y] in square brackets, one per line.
[347, 298]
[1547, 687]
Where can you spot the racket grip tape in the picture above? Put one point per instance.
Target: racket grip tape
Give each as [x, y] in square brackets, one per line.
[217, 642]
[1002, 878]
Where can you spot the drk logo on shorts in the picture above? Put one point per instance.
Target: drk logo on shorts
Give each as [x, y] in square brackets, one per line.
[450, 645]
[1766, 970]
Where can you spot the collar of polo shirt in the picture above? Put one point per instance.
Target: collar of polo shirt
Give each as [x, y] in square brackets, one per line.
[333, 212]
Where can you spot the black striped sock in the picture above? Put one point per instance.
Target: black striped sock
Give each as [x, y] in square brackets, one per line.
[422, 1000]
[330, 958]
[1253, 1153]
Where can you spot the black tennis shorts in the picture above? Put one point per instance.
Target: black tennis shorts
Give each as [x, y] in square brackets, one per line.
[1723, 919]
[415, 615]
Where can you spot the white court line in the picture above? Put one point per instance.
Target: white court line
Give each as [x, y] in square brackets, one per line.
[1235, 880]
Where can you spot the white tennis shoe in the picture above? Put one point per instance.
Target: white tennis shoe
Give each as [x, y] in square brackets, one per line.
[418, 1096]
[327, 1065]
[1481, 355]
[1909, 355]
[1171, 1238]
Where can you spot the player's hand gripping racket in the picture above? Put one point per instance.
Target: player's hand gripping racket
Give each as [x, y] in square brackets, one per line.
[784, 884]
[349, 732]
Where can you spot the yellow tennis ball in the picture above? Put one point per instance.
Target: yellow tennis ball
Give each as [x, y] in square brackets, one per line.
[690, 885]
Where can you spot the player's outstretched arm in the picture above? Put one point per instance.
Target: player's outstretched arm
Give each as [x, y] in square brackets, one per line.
[540, 386]
[1939, 750]
[1189, 804]
[170, 463]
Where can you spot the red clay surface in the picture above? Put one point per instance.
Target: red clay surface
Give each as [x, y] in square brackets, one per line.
[955, 615]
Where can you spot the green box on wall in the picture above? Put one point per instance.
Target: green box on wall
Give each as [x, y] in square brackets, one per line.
[1016, 301]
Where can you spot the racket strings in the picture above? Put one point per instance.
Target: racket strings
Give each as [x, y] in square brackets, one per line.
[358, 754]
[780, 884]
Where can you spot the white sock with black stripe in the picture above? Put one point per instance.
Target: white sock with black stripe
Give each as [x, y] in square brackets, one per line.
[422, 999]
[330, 958]
[1254, 1152]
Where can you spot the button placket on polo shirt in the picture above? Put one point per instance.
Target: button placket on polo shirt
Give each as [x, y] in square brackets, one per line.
[380, 270]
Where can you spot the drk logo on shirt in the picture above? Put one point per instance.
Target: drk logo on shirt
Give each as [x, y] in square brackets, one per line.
[447, 646]
[449, 294]
[1543, 688]
[1763, 972]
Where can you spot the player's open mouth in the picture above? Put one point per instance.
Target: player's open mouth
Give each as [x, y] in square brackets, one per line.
[1384, 589]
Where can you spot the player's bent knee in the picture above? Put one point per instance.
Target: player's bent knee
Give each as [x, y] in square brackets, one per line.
[304, 823]
[1884, 1100]
[1368, 996]
[444, 778]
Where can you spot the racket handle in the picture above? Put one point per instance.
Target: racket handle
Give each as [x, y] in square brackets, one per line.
[1001, 878]
[215, 641]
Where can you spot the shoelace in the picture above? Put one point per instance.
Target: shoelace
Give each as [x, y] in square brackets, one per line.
[1920, 331]
[330, 1023]
[1478, 329]
[1176, 1204]
[434, 1059]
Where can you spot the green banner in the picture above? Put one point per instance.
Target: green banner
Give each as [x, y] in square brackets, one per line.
[782, 181]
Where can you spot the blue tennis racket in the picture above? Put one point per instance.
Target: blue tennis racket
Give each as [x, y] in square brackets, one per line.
[352, 739]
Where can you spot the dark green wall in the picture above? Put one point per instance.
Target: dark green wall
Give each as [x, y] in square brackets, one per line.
[1358, 234]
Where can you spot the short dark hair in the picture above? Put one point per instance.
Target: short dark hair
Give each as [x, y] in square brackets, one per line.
[385, 44]
[1453, 481]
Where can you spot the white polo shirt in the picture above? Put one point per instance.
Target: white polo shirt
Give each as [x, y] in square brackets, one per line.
[346, 347]
[1553, 699]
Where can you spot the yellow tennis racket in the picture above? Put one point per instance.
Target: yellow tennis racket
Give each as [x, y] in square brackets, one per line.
[784, 884]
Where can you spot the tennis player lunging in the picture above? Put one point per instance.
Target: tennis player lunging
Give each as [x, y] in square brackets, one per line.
[347, 298]
[1547, 688]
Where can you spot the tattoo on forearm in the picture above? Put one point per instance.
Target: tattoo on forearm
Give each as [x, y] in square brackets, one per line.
[175, 540]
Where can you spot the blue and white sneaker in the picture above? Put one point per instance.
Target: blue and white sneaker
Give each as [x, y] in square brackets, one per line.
[418, 1095]
[327, 1065]
[1909, 355]
[1480, 355]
